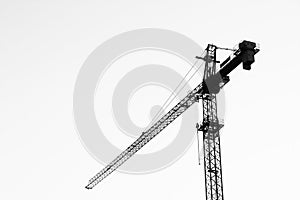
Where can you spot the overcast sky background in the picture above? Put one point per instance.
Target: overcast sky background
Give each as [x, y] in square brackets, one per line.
[42, 47]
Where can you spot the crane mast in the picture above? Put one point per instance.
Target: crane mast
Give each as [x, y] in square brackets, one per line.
[211, 137]
[207, 90]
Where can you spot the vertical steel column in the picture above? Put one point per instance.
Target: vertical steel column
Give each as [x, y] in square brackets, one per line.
[211, 137]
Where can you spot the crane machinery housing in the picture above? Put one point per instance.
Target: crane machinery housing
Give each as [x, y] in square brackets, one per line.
[207, 90]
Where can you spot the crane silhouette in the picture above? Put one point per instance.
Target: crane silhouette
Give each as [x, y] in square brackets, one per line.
[213, 81]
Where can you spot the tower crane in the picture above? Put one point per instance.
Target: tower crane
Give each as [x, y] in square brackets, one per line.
[207, 90]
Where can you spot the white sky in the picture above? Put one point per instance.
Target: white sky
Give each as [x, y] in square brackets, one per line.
[43, 45]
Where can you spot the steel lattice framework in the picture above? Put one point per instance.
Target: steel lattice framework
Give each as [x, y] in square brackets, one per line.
[211, 138]
[207, 90]
[148, 135]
